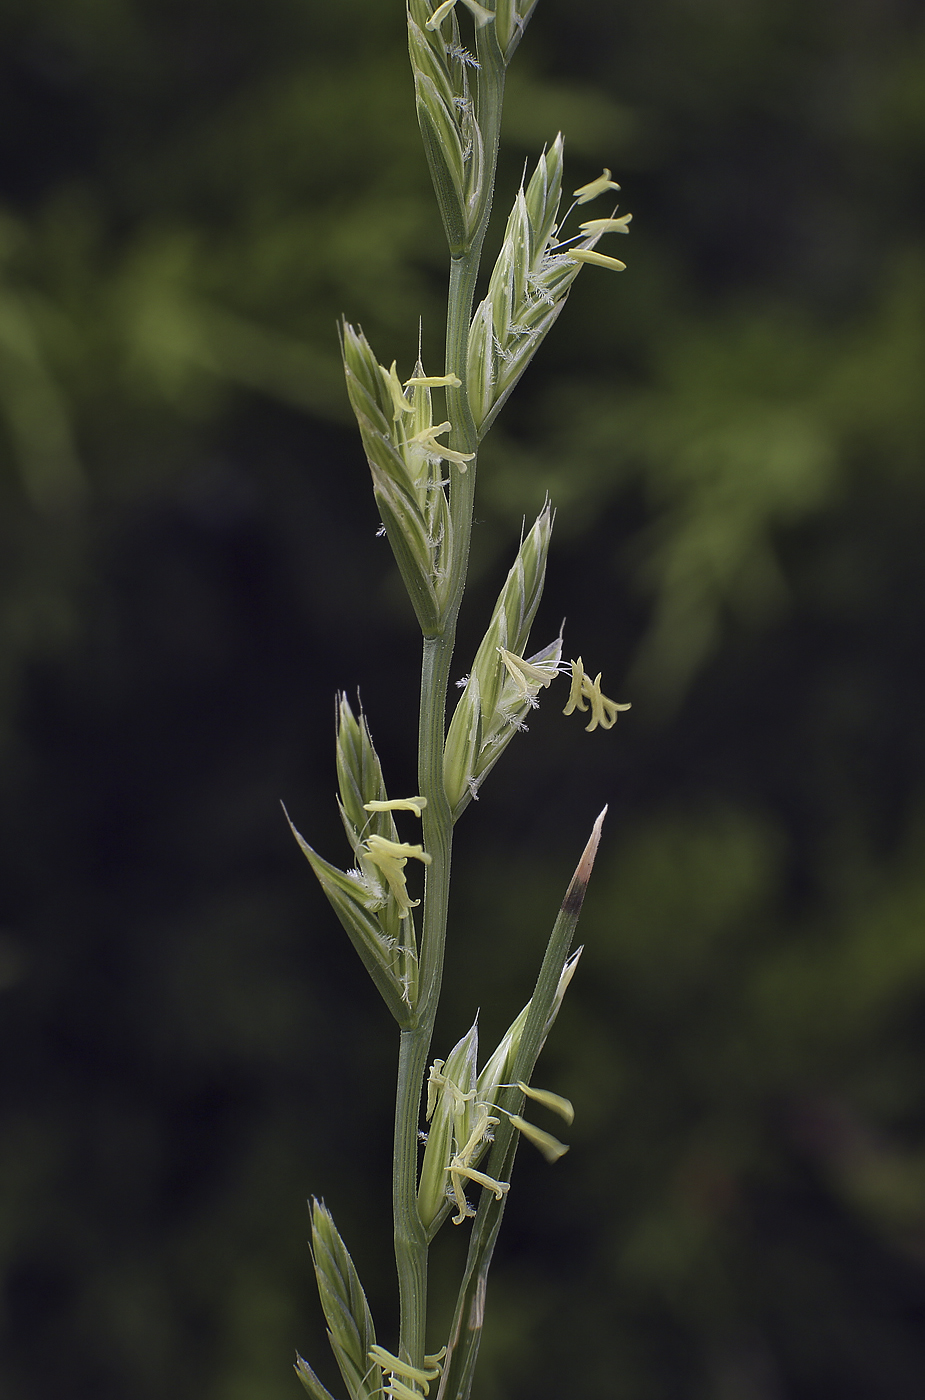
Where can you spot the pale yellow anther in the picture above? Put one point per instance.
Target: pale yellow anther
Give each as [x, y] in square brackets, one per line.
[594, 226]
[457, 1173]
[399, 1391]
[426, 441]
[551, 1148]
[396, 850]
[591, 255]
[603, 711]
[435, 1082]
[398, 804]
[482, 16]
[392, 1364]
[548, 1099]
[483, 1124]
[440, 14]
[400, 404]
[497, 1188]
[575, 698]
[595, 187]
[460, 1168]
[440, 381]
[391, 857]
[527, 677]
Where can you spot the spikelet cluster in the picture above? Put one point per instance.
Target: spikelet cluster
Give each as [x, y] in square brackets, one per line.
[498, 694]
[461, 1111]
[350, 1325]
[408, 466]
[447, 117]
[371, 899]
[529, 285]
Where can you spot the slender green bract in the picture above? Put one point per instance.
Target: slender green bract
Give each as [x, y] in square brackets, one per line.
[421, 436]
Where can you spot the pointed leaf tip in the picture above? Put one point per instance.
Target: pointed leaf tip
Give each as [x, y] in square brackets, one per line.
[310, 1381]
[586, 863]
[574, 895]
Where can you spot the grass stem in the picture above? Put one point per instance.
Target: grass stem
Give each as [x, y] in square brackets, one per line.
[410, 1237]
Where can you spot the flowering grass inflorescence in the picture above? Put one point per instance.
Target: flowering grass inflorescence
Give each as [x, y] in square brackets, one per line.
[423, 466]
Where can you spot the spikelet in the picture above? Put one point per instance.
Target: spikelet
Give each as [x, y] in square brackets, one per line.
[503, 685]
[371, 900]
[406, 460]
[350, 1324]
[529, 285]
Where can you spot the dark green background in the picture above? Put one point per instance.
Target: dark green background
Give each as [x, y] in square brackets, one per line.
[733, 432]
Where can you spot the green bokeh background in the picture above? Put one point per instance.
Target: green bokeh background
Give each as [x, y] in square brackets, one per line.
[733, 432]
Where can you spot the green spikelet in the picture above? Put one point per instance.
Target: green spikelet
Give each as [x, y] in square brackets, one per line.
[379, 924]
[493, 704]
[350, 1324]
[527, 291]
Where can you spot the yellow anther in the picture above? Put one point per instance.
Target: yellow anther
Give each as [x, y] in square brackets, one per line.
[398, 804]
[590, 255]
[440, 14]
[382, 848]
[575, 697]
[439, 381]
[595, 187]
[400, 404]
[391, 1363]
[526, 676]
[592, 226]
[391, 857]
[426, 440]
[460, 1168]
[603, 711]
[548, 1099]
[551, 1148]
[457, 1172]
[482, 16]
[399, 1391]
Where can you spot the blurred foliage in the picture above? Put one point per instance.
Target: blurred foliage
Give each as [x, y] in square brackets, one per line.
[733, 433]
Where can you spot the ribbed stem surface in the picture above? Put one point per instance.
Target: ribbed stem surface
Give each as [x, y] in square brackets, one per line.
[414, 1049]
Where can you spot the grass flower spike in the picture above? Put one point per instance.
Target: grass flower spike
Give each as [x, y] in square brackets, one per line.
[529, 284]
[497, 695]
[451, 1113]
[423, 465]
